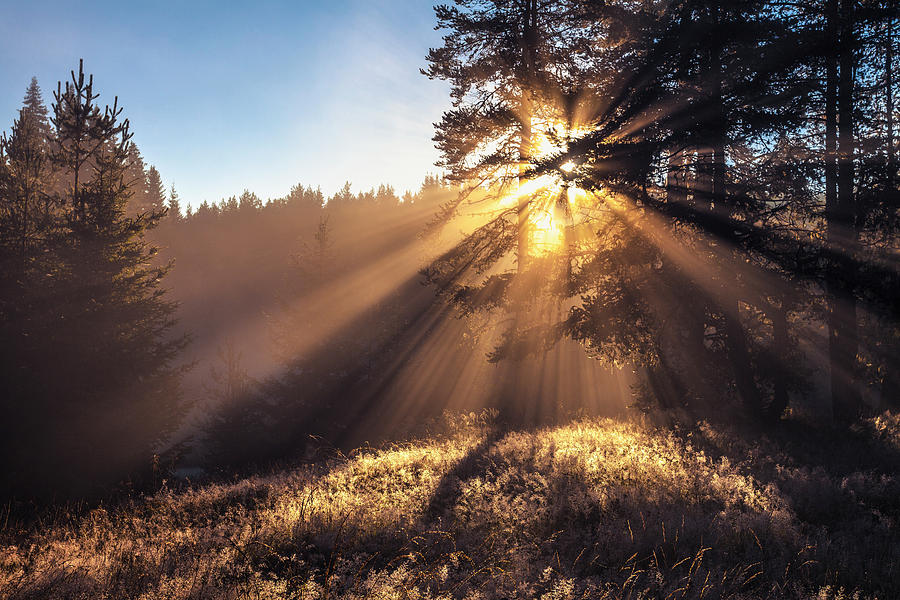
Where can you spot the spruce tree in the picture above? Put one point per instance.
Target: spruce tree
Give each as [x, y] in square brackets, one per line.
[29, 223]
[95, 386]
[156, 192]
[26, 181]
[136, 178]
[174, 207]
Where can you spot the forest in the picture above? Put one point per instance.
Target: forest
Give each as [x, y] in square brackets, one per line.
[636, 336]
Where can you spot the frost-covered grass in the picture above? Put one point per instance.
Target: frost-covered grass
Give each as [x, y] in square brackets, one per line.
[593, 509]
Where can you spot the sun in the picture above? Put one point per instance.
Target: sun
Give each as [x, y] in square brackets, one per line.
[552, 200]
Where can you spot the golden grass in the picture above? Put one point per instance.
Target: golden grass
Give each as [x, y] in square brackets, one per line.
[593, 509]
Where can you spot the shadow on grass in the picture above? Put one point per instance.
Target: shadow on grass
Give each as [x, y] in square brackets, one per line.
[842, 485]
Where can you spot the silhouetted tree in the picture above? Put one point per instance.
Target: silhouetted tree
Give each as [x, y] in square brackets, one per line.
[26, 181]
[236, 426]
[156, 192]
[174, 206]
[702, 120]
[512, 66]
[92, 388]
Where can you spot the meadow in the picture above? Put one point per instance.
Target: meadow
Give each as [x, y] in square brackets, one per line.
[474, 510]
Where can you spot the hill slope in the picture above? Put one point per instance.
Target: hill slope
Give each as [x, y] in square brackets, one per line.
[594, 509]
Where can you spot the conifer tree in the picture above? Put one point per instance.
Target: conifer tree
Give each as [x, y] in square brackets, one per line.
[742, 109]
[34, 105]
[234, 428]
[29, 223]
[511, 65]
[174, 208]
[156, 191]
[697, 88]
[95, 388]
[26, 180]
[136, 177]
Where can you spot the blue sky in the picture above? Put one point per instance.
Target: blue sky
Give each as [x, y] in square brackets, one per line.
[224, 96]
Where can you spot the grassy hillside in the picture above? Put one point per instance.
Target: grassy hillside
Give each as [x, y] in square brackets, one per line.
[594, 509]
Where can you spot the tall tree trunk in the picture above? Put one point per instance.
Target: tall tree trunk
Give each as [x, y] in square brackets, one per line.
[738, 350]
[780, 374]
[515, 381]
[736, 343]
[524, 204]
[889, 90]
[666, 386]
[23, 242]
[529, 58]
[691, 315]
[841, 232]
[830, 172]
[830, 155]
[676, 188]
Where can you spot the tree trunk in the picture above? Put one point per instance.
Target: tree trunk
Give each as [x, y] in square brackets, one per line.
[529, 57]
[738, 351]
[665, 385]
[780, 343]
[830, 156]
[889, 91]
[736, 343]
[676, 188]
[691, 319]
[841, 233]
[524, 202]
[26, 198]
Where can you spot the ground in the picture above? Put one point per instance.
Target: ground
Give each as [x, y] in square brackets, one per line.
[590, 509]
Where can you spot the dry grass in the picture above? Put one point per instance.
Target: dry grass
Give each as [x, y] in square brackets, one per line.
[595, 509]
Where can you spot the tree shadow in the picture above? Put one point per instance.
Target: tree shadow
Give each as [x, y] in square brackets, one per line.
[448, 491]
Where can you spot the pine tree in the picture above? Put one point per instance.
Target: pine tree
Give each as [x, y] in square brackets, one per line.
[26, 181]
[95, 385]
[235, 427]
[745, 110]
[174, 213]
[248, 202]
[509, 65]
[842, 233]
[689, 92]
[34, 105]
[156, 192]
[136, 178]
[29, 223]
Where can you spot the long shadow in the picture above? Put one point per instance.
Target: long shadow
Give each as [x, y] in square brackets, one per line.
[449, 488]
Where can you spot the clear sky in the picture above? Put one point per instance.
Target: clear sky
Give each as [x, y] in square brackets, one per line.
[261, 95]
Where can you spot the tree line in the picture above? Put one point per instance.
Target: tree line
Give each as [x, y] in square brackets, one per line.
[292, 312]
